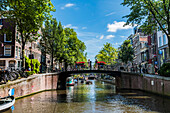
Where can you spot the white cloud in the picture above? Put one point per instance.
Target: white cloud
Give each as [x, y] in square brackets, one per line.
[70, 26]
[117, 26]
[122, 36]
[110, 14]
[84, 27]
[101, 37]
[110, 36]
[68, 5]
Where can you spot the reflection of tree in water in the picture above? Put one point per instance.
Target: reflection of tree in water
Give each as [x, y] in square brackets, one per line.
[81, 93]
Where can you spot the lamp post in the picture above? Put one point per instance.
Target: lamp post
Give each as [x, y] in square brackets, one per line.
[30, 48]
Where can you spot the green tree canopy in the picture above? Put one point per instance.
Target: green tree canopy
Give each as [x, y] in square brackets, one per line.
[126, 52]
[107, 54]
[53, 38]
[150, 14]
[75, 47]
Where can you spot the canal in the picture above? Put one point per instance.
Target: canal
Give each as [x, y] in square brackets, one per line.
[100, 97]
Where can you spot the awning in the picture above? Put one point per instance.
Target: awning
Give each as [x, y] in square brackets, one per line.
[101, 62]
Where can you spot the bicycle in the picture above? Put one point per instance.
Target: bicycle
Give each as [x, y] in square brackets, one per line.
[3, 77]
[11, 74]
[21, 73]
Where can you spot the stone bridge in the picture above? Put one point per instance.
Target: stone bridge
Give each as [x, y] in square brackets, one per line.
[64, 75]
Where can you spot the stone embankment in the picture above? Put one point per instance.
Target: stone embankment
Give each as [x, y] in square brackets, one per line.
[31, 85]
[150, 83]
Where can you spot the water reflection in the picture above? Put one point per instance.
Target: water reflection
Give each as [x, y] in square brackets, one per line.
[98, 97]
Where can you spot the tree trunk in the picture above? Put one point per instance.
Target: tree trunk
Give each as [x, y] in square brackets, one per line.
[52, 60]
[66, 65]
[23, 54]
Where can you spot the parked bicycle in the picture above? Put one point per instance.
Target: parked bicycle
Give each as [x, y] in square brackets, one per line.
[3, 77]
[21, 72]
[11, 74]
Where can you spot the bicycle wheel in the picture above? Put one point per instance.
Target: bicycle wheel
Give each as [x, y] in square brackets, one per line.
[2, 80]
[17, 74]
[12, 76]
[24, 75]
[6, 77]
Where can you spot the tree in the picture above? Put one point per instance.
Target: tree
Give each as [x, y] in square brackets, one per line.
[126, 52]
[150, 14]
[53, 37]
[74, 47]
[108, 54]
[28, 16]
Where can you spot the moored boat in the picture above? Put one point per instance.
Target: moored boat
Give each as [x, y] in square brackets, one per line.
[8, 101]
[70, 81]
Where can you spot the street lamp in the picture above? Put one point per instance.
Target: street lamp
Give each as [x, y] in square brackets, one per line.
[30, 48]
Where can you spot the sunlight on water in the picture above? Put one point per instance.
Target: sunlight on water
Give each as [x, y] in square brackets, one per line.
[96, 98]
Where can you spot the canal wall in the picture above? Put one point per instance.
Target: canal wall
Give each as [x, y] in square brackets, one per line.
[150, 83]
[31, 85]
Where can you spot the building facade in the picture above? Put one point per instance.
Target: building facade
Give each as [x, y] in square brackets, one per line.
[163, 49]
[7, 41]
[11, 49]
[140, 46]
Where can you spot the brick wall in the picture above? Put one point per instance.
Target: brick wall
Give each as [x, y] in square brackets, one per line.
[154, 84]
[26, 86]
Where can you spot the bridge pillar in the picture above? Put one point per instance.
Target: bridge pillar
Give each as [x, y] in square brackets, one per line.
[118, 82]
[61, 85]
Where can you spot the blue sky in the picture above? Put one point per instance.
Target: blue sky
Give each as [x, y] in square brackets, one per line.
[95, 21]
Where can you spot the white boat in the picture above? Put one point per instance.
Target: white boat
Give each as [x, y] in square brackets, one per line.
[8, 101]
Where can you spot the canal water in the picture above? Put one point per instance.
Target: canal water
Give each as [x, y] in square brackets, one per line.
[100, 97]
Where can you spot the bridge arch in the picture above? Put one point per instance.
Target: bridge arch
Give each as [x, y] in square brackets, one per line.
[63, 76]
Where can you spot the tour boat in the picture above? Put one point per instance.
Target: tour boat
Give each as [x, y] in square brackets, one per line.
[7, 102]
[70, 81]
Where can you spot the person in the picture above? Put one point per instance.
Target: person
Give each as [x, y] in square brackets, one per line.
[156, 69]
[29, 69]
[96, 64]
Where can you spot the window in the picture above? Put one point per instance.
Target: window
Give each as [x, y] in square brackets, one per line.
[17, 38]
[19, 52]
[19, 63]
[160, 41]
[8, 38]
[2, 62]
[7, 50]
[164, 39]
[16, 52]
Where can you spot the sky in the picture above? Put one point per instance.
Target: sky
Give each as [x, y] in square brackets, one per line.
[95, 22]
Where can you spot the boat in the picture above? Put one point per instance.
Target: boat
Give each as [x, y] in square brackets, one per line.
[88, 82]
[8, 101]
[70, 81]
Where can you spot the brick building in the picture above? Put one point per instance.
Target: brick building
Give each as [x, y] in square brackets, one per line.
[140, 46]
[10, 46]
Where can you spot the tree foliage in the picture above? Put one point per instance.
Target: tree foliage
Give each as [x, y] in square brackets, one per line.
[126, 52]
[28, 16]
[150, 14]
[107, 54]
[74, 48]
[62, 44]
